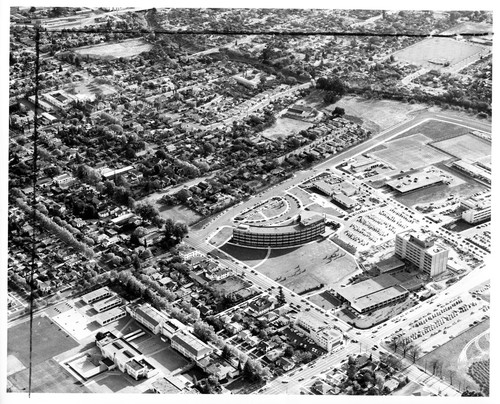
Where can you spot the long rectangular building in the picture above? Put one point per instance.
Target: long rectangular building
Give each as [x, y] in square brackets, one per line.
[477, 208]
[96, 295]
[372, 294]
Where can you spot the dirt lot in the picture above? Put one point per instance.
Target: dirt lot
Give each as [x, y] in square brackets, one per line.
[284, 127]
[124, 49]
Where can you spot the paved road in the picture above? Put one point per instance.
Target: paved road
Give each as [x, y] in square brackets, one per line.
[367, 339]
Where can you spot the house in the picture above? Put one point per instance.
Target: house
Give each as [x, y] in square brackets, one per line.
[285, 364]
[321, 387]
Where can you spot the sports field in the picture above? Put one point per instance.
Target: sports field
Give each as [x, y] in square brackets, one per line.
[465, 147]
[410, 152]
[308, 266]
[459, 353]
[124, 49]
[437, 49]
[48, 341]
[47, 377]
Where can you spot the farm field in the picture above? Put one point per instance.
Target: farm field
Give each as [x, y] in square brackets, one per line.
[308, 266]
[124, 49]
[458, 354]
[445, 49]
[410, 152]
[465, 147]
[48, 341]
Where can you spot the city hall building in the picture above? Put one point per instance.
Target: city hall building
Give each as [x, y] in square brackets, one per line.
[306, 228]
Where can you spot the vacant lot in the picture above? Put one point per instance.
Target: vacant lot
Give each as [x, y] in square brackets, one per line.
[284, 127]
[377, 115]
[308, 266]
[436, 130]
[442, 49]
[230, 285]
[465, 147]
[410, 152]
[452, 359]
[180, 213]
[250, 256]
[47, 377]
[124, 49]
[48, 341]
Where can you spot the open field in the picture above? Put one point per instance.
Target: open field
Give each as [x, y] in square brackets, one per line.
[179, 213]
[222, 236]
[410, 152]
[48, 341]
[308, 266]
[284, 127]
[436, 130]
[451, 356]
[230, 285]
[469, 27]
[465, 147]
[377, 115]
[438, 49]
[250, 256]
[47, 377]
[124, 49]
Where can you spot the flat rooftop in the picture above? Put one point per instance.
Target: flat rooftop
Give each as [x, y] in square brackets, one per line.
[367, 287]
[411, 182]
[380, 296]
[305, 219]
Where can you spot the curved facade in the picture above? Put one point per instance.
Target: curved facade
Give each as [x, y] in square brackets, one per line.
[308, 227]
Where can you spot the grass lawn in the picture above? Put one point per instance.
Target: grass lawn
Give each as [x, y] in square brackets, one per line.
[47, 377]
[171, 359]
[448, 354]
[308, 266]
[114, 383]
[303, 196]
[222, 236]
[180, 213]
[250, 256]
[325, 301]
[48, 341]
[436, 130]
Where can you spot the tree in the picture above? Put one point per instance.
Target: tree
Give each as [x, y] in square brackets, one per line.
[183, 195]
[281, 297]
[415, 352]
[147, 211]
[338, 112]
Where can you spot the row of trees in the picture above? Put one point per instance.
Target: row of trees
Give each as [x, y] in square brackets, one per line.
[59, 231]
